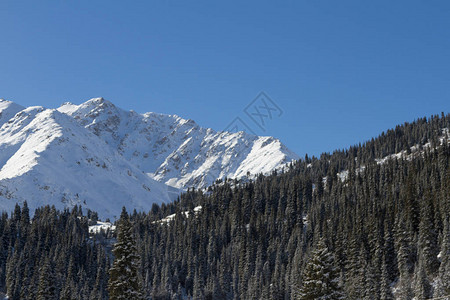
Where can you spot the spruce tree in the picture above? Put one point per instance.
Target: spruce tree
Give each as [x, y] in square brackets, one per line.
[443, 283]
[422, 287]
[124, 282]
[47, 284]
[321, 277]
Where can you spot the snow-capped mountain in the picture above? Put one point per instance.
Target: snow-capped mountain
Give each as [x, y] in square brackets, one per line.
[8, 110]
[48, 158]
[177, 151]
[102, 157]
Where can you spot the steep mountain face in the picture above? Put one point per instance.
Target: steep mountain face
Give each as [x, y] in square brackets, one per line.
[101, 157]
[47, 158]
[177, 151]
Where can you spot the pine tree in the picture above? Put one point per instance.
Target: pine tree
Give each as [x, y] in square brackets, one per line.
[385, 289]
[321, 277]
[422, 287]
[427, 237]
[124, 282]
[443, 284]
[46, 288]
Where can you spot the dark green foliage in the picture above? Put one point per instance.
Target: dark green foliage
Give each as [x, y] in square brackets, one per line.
[47, 282]
[443, 282]
[321, 277]
[124, 282]
[50, 256]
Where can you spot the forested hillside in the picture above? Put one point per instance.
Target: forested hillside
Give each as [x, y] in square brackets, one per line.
[51, 257]
[386, 223]
[374, 218]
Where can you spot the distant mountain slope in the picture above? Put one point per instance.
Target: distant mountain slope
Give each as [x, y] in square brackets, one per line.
[102, 157]
[178, 151]
[47, 158]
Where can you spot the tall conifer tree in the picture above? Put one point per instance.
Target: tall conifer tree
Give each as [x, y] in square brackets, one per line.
[321, 277]
[124, 282]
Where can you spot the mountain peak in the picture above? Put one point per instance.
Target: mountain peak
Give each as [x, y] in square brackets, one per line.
[99, 101]
[8, 110]
[102, 157]
[45, 155]
[177, 151]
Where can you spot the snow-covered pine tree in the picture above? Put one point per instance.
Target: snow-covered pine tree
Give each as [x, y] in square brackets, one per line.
[124, 282]
[321, 277]
[422, 287]
[47, 284]
[443, 282]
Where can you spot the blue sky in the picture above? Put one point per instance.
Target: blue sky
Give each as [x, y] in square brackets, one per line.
[340, 71]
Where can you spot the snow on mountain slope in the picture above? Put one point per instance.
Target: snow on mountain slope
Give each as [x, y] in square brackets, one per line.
[48, 158]
[414, 151]
[7, 110]
[102, 157]
[177, 151]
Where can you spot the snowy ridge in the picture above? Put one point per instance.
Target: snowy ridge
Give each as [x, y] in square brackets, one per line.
[102, 157]
[47, 158]
[177, 151]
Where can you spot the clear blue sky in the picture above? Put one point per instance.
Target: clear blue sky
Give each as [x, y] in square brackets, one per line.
[341, 71]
